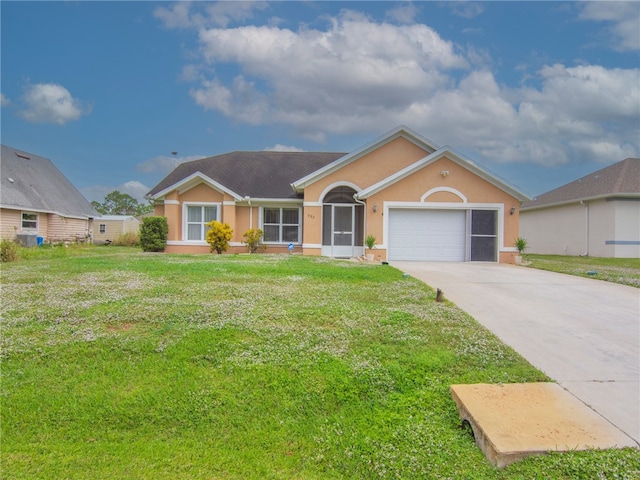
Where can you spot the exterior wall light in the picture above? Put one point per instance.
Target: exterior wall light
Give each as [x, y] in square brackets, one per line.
[375, 207]
[512, 211]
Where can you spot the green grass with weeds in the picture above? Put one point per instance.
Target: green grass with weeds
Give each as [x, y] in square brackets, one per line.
[625, 271]
[132, 365]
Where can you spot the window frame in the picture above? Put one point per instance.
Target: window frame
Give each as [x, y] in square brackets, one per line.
[281, 224]
[102, 228]
[23, 220]
[203, 228]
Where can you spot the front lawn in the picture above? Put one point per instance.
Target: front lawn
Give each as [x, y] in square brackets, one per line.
[150, 366]
[625, 271]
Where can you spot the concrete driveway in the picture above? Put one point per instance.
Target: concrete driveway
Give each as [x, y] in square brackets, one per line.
[583, 333]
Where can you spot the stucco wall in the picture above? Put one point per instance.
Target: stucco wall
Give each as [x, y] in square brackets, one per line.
[601, 228]
[555, 231]
[562, 230]
[627, 228]
[370, 168]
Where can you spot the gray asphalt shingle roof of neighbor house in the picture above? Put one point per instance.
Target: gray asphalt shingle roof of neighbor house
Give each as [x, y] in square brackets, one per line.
[260, 174]
[619, 179]
[33, 183]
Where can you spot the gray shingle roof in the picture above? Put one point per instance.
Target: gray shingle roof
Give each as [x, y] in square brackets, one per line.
[259, 174]
[622, 178]
[30, 182]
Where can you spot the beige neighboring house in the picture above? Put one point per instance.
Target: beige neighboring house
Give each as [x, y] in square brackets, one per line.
[109, 227]
[419, 200]
[37, 202]
[597, 215]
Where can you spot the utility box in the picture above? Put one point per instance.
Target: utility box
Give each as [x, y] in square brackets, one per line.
[27, 240]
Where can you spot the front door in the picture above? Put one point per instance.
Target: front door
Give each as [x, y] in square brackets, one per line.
[342, 224]
[342, 231]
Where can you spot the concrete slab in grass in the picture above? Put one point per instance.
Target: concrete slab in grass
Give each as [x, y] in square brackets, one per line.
[514, 421]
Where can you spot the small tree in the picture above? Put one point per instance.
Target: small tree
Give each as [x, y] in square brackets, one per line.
[219, 236]
[153, 234]
[116, 203]
[253, 239]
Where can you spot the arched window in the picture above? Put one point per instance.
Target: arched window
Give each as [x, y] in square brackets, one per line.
[340, 195]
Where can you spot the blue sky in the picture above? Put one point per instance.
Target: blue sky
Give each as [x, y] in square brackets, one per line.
[540, 93]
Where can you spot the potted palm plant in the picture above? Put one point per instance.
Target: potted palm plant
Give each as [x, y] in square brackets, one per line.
[370, 242]
[521, 244]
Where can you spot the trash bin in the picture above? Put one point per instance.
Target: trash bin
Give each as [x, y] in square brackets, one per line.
[40, 241]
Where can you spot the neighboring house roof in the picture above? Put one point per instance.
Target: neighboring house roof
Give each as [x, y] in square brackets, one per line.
[262, 174]
[452, 155]
[621, 179]
[116, 217]
[398, 132]
[33, 183]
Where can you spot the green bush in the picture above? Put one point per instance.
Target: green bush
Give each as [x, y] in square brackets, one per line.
[153, 234]
[128, 239]
[521, 244]
[253, 239]
[9, 251]
[219, 236]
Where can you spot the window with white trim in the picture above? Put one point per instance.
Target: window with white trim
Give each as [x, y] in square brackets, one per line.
[196, 217]
[103, 228]
[29, 221]
[281, 224]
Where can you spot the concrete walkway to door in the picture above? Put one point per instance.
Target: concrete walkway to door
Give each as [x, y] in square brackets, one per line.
[583, 333]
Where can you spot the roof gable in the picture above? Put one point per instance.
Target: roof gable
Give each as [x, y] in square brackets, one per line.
[262, 174]
[401, 131]
[452, 155]
[30, 182]
[619, 179]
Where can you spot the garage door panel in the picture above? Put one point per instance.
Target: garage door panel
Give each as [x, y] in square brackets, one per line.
[427, 235]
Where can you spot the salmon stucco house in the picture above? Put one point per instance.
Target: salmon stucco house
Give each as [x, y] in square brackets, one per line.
[420, 202]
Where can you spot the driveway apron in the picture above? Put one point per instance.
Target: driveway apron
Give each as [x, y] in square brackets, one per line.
[583, 333]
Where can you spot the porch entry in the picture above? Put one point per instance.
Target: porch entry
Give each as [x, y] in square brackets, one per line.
[342, 224]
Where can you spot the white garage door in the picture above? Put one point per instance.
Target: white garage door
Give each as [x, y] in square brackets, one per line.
[427, 235]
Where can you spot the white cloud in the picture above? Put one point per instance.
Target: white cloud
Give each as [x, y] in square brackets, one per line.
[404, 13]
[163, 164]
[4, 101]
[199, 15]
[134, 188]
[623, 19]
[50, 103]
[466, 9]
[359, 76]
[356, 68]
[178, 16]
[283, 148]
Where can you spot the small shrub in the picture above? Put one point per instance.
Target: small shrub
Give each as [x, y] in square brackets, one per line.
[370, 242]
[9, 251]
[128, 239]
[521, 244]
[253, 239]
[153, 234]
[219, 236]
